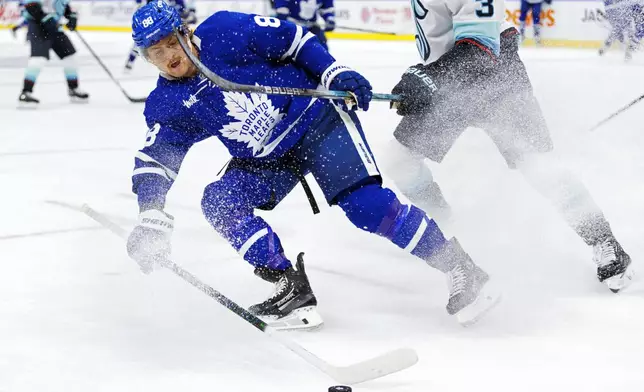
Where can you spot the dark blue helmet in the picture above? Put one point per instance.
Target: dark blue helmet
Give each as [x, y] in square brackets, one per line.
[153, 22]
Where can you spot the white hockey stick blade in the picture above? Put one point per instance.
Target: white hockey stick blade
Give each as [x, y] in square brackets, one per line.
[371, 369]
[382, 365]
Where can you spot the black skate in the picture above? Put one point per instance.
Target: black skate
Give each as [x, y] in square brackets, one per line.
[471, 295]
[293, 304]
[26, 99]
[613, 264]
[77, 95]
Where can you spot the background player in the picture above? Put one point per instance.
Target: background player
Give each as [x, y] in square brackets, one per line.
[305, 13]
[22, 22]
[274, 141]
[533, 6]
[621, 14]
[185, 8]
[45, 33]
[473, 76]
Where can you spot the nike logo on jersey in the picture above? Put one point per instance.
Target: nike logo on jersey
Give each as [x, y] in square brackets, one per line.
[192, 99]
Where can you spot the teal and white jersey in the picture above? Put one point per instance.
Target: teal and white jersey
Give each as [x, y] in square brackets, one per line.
[56, 7]
[440, 23]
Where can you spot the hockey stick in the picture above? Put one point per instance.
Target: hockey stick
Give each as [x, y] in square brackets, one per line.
[227, 85]
[98, 59]
[620, 111]
[387, 363]
[366, 30]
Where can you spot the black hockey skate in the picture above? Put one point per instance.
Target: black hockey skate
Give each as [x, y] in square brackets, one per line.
[26, 99]
[77, 95]
[293, 304]
[471, 295]
[613, 264]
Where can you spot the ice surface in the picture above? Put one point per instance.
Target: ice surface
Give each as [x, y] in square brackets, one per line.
[76, 315]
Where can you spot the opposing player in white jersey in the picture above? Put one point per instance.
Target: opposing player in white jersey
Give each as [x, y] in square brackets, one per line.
[472, 76]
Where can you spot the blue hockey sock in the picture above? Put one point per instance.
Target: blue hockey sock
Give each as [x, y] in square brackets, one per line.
[378, 210]
[250, 235]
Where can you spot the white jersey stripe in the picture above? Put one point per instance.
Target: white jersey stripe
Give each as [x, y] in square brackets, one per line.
[251, 241]
[360, 144]
[417, 236]
[295, 43]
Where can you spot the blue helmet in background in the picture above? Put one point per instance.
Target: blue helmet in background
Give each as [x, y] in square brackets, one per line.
[153, 22]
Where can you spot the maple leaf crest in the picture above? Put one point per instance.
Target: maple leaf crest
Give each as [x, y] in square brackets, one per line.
[256, 117]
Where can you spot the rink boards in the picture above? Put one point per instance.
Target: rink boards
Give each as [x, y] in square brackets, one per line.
[570, 23]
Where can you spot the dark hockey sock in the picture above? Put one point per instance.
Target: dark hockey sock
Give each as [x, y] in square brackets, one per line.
[34, 65]
[593, 229]
[71, 72]
[28, 86]
[72, 83]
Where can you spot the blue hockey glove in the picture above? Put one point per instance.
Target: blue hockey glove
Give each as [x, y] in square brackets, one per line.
[329, 24]
[282, 13]
[342, 78]
[149, 242]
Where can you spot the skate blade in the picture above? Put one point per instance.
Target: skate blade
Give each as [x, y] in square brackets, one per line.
[302, 319]
[488, 298]
[27, 105]
[619, 282]
[78, 100]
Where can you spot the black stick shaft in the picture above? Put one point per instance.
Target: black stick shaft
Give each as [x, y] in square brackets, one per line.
[366, 30]
[216, 295]
[227, 85]
[183, 274]
[107, 70]
[617, 113]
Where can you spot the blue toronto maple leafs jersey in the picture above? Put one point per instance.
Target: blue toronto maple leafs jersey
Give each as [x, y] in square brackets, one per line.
[247, 49]
[305, 10]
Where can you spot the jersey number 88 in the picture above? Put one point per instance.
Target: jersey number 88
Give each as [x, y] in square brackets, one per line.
[486, 10]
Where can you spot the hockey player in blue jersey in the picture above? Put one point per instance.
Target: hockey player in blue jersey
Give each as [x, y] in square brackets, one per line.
[45, 33]
[305, 13]
[274, 142]
[185, 8]
[621, 14]
[533, 6]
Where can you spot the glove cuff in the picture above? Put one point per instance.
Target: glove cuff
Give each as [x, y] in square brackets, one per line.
[157, 220]
[331, 72]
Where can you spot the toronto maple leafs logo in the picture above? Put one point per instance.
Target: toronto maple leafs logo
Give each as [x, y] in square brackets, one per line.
[256, 117]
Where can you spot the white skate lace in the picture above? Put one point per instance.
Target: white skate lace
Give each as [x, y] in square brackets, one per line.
[457, 279]
[604, 253]
[280, 286]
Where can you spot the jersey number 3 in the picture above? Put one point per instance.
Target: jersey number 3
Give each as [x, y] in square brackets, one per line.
[486, 10]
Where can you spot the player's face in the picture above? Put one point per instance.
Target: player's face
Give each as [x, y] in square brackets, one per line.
[169, 57]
